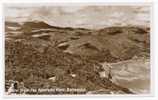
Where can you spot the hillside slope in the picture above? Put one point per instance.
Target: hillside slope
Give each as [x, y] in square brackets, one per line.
[35, 52]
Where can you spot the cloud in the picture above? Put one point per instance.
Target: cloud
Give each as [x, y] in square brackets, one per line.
[81, 16]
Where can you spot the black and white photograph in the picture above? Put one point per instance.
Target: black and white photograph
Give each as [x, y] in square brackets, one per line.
[77, 49]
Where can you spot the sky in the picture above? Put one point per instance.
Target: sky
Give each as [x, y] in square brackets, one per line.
[84, 16]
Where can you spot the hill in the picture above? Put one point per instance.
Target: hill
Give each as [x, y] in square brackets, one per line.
[36, 52]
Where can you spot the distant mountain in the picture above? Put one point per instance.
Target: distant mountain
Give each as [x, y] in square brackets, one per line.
[13, 24]
[121, 42]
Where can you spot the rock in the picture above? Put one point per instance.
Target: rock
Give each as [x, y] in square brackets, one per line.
[53, 79]
[103, 74]
[132, 74]
[73, 75]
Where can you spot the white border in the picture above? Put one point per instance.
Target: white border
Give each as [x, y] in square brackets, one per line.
[61, 2]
